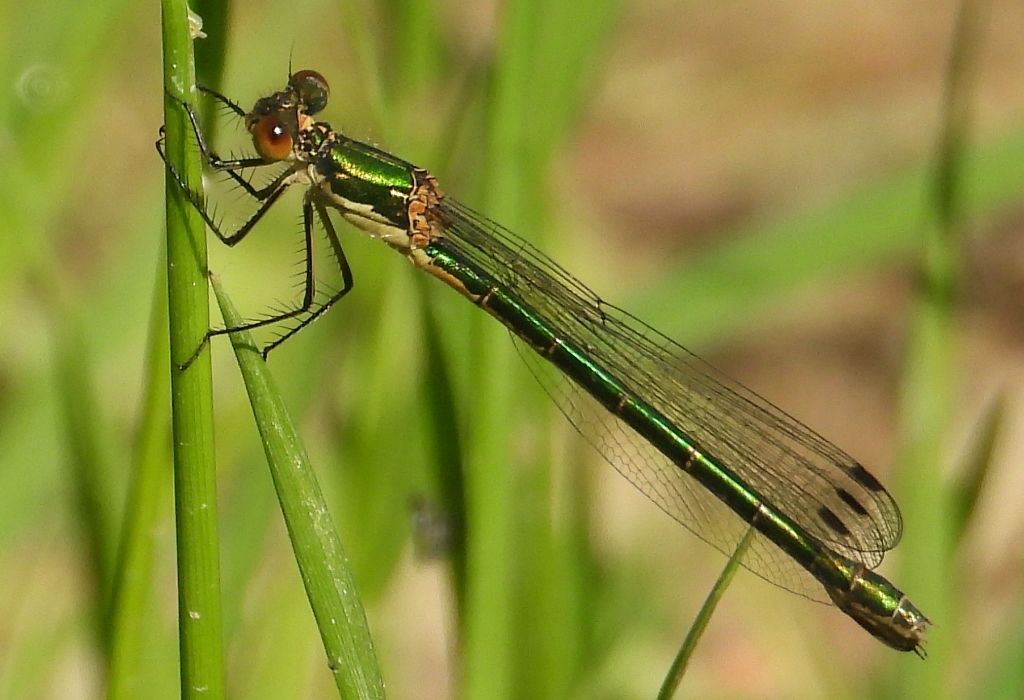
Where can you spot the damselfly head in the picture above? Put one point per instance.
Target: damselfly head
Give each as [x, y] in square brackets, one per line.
[275, 121]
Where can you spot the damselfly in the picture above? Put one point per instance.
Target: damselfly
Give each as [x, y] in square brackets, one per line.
[723, 459]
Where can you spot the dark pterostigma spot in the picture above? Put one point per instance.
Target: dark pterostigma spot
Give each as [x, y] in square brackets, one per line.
[865, 478]
[849, 500]
[833, 521]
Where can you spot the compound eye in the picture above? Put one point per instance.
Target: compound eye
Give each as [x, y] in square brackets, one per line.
[271, 137]
[311, 89]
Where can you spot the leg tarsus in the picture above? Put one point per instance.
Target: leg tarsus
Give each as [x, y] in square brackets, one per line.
[307, 302]
[195, 353]
[267, 196]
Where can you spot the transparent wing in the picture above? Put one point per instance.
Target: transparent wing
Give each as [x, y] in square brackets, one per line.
[791, 467]
[671, 489]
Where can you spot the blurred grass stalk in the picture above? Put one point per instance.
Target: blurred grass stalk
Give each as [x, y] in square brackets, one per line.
[147, 491]
[91, 484]
[525, 613]
[675, 674]
[929, 387]
[195, 487]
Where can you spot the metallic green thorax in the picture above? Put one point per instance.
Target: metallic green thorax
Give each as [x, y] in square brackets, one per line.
[359, 174]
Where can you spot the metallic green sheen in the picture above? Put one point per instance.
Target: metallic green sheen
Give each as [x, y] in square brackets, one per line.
[869, 599]
[647, 421]
[360, 174]
[365, 163]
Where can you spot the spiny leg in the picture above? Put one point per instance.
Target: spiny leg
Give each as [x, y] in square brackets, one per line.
[212, 158]
[217, 164]
[226, 101]
[346, 277]
[231, 166]
[267, 197]
[309, 285]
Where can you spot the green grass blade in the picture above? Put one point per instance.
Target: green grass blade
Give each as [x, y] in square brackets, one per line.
[90, 486]
[195, 486]
[700, 623]
[150, 487]
[330, 584]
[210, 54]
[761, 264]
[210, 51]
[493, 544]
[438, 392]
[516, 609]
[978, 465]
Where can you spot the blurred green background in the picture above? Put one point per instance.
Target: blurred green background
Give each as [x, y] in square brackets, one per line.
[759, 180]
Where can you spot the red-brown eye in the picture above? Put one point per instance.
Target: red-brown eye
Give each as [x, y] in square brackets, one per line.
[311, 88]
[271, 137]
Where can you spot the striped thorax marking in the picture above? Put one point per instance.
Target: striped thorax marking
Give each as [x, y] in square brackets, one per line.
[424, 198]
[421, 207]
